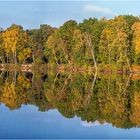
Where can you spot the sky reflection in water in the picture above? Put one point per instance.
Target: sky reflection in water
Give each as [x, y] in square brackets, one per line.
[28, 122]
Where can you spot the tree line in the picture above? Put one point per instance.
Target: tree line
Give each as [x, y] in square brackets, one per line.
[93, 42]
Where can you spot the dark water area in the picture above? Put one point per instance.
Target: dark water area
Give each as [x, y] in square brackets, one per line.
[69, 105]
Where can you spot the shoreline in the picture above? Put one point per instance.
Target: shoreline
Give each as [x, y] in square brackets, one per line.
[34, 67]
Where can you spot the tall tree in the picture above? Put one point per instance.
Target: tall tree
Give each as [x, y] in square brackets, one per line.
[136, 41]
[14, 40]
[37, 41]
[114, 43]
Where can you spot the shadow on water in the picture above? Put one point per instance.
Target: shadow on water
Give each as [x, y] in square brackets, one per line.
[98, 97]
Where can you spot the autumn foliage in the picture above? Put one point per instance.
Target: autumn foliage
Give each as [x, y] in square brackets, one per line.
[91, 43]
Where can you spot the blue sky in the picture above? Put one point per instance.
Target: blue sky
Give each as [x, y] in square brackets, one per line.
[30, 14]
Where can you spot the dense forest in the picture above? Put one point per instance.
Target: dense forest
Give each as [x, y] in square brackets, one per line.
[104, 98]
[93, 43]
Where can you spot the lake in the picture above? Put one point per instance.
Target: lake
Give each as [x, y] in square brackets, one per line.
[69, 105]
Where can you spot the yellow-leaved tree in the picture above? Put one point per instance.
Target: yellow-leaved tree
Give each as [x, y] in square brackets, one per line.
[14, 41]
[136, 40]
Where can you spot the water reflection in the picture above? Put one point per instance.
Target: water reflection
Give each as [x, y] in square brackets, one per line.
[94, 98]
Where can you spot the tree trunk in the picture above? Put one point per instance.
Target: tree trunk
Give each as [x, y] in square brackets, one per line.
[33, 57]
[7, 59]
[89, 42]
[109, 57]
[128, 61]
[15, 57]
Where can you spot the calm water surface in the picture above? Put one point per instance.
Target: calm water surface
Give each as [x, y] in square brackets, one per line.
[66, 105]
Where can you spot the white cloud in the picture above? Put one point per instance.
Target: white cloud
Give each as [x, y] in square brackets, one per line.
[90, 124]
[97, 9]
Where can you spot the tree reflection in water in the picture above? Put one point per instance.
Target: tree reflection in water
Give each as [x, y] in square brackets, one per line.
[99, 98]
